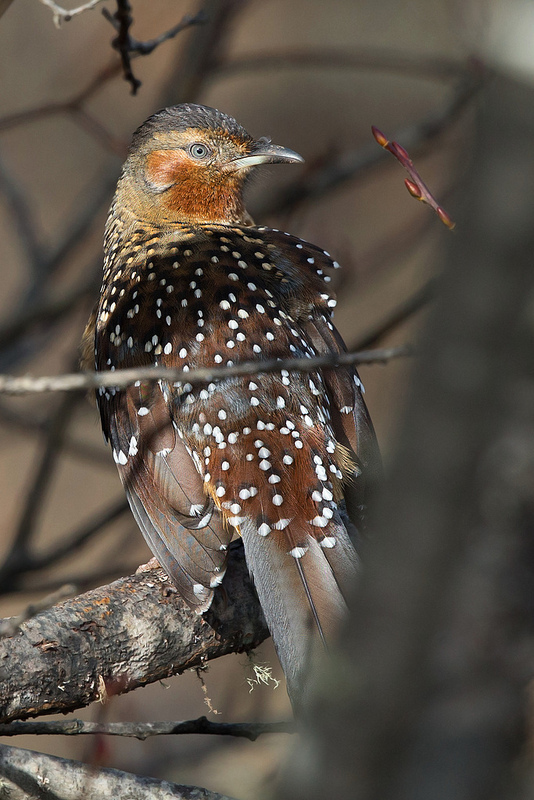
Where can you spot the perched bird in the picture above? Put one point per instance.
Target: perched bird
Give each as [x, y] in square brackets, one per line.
[190, 281]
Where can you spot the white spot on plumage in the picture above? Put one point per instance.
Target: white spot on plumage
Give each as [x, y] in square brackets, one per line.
[132, 451]
[328, 541]
[298, 552]
[264, 529]
[143, 411]
[281, 524]
[220, 491]
[278, 500]
[287, 460]
[199, 590]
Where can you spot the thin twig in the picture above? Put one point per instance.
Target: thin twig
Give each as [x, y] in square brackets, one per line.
[18, 555]
[77, 538]
[415, 184]
[343, 167]
[400, 314]
[143, 730]
[129, 47]
[66, 14]
[76, 382]
[375, 59]
[22, 216]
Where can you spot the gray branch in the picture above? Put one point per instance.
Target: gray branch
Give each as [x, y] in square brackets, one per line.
[135, 631]
[25, 774]
[144, 730]
[77, 382]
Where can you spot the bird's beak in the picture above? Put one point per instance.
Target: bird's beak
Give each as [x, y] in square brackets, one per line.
[263, 152]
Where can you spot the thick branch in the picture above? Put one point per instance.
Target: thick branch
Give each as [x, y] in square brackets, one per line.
[26, 774]
[112, 639]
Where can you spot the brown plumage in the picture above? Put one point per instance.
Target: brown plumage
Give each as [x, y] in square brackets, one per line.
[189, 281]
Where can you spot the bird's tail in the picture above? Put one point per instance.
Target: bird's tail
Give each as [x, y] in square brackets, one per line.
[302, 596]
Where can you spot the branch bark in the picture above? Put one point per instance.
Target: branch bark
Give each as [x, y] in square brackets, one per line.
[112, 639]
[25, 774]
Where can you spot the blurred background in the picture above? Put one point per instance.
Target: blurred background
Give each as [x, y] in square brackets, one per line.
[314, 77]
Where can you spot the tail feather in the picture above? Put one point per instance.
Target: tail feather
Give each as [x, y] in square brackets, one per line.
[301, 599]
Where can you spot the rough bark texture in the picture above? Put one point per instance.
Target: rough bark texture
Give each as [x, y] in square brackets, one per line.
[112, 639]
[25, 774]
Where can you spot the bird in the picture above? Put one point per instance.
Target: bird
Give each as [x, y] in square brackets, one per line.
[286, 460]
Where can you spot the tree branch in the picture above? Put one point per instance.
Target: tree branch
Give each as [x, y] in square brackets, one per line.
[76, 382]
[26, 774]
[144, 730]
[110, 640]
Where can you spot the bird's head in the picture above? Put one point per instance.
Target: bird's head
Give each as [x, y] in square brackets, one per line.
[189, 163]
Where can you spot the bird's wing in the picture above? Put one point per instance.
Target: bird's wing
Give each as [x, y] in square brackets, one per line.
[165, 490]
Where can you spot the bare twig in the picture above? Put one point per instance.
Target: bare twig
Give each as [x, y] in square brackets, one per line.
[76, 382]
[400, 314]
[45, 310]
[24, 222]
[66, 14]
[340, 168]
[440, 69]
[128, 46]
[144, 730]
[414, 183]
[124, 20]
[21, 562]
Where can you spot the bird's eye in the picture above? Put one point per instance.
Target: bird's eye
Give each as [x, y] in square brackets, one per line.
[198, 150]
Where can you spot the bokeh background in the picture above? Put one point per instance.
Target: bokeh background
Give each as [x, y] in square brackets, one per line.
[312, 75]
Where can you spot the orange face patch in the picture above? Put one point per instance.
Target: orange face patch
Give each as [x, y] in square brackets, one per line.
[164, 166]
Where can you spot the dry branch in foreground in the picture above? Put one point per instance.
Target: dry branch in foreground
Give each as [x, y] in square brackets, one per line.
[26, 774]
[134, 631]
